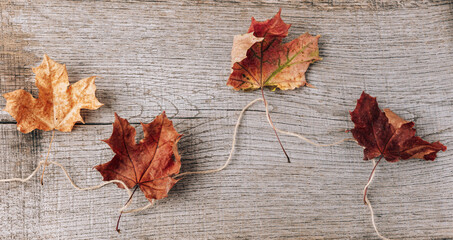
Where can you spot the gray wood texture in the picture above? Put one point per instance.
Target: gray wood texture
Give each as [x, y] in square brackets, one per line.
[174, 56]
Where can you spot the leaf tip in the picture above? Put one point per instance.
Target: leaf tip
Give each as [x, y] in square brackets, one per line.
[310, 85]
[117, 119]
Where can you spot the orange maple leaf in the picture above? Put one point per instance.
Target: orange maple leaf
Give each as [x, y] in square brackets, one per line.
[151, 163]
[266, 62]
[58, 105]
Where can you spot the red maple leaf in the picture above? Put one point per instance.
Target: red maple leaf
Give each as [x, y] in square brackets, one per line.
[151, 163]
[385, 134]
[259, 59]
[268, 62]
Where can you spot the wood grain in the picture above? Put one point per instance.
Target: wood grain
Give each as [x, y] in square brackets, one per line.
[174, 56]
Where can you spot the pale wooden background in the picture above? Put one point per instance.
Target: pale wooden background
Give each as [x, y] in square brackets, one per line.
[174, 56]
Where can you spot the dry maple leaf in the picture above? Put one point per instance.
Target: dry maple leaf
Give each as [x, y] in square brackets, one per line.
[259, 59]
[151, 163]
[268, 62]
[58, 106]
[385, 134]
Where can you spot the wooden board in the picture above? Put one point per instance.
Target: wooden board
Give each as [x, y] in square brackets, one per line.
[174, 56]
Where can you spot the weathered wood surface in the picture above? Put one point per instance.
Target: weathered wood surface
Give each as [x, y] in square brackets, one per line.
[174, 56]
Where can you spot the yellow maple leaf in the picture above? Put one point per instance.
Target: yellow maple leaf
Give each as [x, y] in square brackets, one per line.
[58, 105]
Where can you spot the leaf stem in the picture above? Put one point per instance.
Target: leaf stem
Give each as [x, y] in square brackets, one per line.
[272, 124]
[121, 213]
[371, 175]
[47, 157]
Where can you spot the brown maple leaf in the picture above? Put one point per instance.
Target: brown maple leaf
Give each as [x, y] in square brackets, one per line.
[385, 134]
[151, 163]
[268, 62]
[58, 105]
